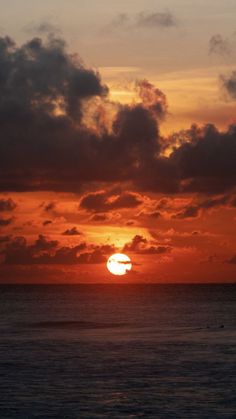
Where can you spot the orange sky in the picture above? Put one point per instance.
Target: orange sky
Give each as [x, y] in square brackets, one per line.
[118, 134]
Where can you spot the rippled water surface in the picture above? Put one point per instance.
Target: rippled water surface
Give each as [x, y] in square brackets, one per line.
[111, 351]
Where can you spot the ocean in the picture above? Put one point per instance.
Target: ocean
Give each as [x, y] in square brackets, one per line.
[117, 351]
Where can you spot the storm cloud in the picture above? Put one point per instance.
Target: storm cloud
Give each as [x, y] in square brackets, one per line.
[46, 145]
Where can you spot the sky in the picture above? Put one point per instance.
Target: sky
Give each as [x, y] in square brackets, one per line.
[118, 134]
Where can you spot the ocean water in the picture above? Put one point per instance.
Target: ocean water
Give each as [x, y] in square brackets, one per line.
[118, 351]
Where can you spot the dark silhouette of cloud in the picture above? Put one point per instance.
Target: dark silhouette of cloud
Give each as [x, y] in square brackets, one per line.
[189, 212]
[207, 163]
[72, 232]
[219, 45]
[156, 19]
[45, 144]
[47, 222]
[50, 206]
[49, 252]
[104, 201]
[152, 98]
[140, 245]
[99, 217]
[193, 210]
[143, 19]
[229, 84]
[5, 221]
[7, 205]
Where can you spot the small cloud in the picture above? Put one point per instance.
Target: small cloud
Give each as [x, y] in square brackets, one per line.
[156, 19]
[7, 205]
[47, 222]
[104, 201]
[189, 212]
[5, 221]
[219, 45]
[99, 217]
[141, 20]
[229, 84]
[72, 232]
[141, 245]
[51, 206]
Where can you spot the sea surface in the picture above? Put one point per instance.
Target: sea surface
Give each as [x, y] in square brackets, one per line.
[118, 351]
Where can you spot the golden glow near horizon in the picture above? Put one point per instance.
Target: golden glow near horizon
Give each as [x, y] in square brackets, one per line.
[119, 264]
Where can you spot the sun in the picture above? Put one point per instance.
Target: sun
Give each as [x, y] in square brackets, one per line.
[119, 264]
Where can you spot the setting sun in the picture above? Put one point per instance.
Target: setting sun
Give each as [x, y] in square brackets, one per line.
[119, 264]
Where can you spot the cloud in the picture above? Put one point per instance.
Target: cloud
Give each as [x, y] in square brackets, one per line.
[189, 212]
[152, 98]
[7, 205]
[143, 19]
[43, 244]
[43, 91]
[207, 163]
[47, 222]
[229, 84]
[140, 245]
[104, 201]
[48, 252]
[72, 232]
[99, 217]
[156, 20]
[50, 206]
[193, 210]
[5, 221]
[219, 45]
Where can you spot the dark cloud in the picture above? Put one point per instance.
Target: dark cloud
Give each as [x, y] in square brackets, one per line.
[48, 252]
[146, 20]
[152, 98]
[7, 205]
[45, 144]
[106, 201]
[47, 222]
[219, 45]
[229, 84]
[193, 210]
[50, 206]
[99, 217]
[207, 163]
[140, 245]
[214, 202]
[189, 212]
[72, 232]
[156, 20]
[43, 244]
[5, 221]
